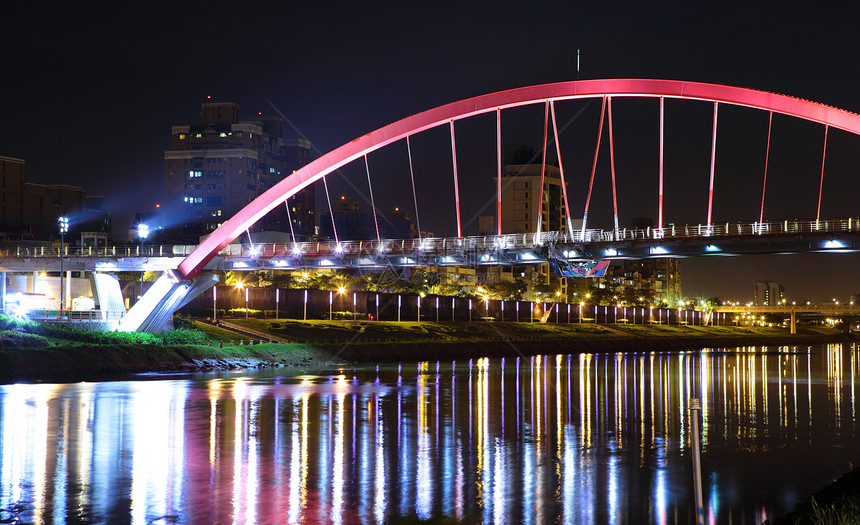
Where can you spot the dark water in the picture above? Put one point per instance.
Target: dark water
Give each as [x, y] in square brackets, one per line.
[593, 438]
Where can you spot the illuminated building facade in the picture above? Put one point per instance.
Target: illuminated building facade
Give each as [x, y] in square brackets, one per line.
[216, 167]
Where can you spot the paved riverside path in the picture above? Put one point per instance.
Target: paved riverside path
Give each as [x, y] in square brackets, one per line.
[250, 332]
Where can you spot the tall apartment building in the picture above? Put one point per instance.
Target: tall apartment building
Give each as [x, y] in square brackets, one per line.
[29, 211]
[216, 167]
[522, 200]
[11, 196]
[766, 293]
[352, 224]
[656, 279]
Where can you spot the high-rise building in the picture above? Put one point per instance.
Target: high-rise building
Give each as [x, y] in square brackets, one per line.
[11, 196]
[523, 201]
[352, 224]
[29, 211]
[766, 293]
[216, 167]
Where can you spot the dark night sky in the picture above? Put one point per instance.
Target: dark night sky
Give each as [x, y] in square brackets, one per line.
[90, 94]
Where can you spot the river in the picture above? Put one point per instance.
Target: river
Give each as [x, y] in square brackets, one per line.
[582, 438]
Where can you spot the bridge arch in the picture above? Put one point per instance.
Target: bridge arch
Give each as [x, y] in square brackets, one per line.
[581, 89]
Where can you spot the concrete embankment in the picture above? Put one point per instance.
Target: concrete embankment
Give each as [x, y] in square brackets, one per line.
[77, 362]
[93, 362]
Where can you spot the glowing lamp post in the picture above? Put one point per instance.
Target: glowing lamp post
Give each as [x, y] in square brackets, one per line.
[142, 231]
[64, 229]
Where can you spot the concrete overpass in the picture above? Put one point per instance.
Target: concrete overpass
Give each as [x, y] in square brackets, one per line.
[792, 311]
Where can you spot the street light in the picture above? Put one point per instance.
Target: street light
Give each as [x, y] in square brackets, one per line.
[142, 231]
[64, 229]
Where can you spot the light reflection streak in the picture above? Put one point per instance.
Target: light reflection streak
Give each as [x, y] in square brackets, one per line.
[423, 483]
[295, 479]
[337, 507]
[379, 501]
[853, 368]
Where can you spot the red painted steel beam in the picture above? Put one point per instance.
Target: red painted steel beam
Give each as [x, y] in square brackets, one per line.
[580, 89]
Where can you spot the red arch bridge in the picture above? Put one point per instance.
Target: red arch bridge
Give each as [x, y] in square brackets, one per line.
[577, 249]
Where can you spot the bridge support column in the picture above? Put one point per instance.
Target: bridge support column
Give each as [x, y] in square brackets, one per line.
[793, 323]
[154, 311]
[3, 292]
[107, 292]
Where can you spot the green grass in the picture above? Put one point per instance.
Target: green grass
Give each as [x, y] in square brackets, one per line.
[357, 332]
[217, 334]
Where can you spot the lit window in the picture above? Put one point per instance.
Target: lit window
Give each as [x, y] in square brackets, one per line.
[199, 135]
[182, 136]
[193, 174]
[222, 134]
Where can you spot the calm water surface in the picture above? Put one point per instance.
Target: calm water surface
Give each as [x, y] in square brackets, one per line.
[591, 438]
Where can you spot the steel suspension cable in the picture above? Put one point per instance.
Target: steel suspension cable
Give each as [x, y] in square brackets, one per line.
[414, 194]
[330, 211]
[290, 220]
[560, 168]
[713, 161]
[660, 186]
[612, 163]
[821, 184]
[542, 170]
[372, 203]
[766, 158]
[593, 168]
[456, 183]
[499, 169]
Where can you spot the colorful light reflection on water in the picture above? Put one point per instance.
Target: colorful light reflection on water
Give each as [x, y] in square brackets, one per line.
[586, 438]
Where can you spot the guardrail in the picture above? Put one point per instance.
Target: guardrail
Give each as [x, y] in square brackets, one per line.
[71, 316]
[395, 247]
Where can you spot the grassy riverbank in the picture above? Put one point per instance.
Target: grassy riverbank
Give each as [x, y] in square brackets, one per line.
[836, 504]
[318, 343]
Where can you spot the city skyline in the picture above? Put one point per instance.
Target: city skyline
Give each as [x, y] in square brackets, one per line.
[101, 81]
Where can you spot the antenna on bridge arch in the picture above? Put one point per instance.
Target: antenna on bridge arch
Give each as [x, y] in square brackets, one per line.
[577, 64]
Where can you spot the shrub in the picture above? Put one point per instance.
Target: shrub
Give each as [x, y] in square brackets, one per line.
[15, 339]
[183, 336]
[101, 337]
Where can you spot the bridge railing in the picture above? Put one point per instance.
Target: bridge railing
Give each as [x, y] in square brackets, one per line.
[405, 247]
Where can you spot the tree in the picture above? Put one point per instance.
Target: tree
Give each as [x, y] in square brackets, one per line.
[508, 290]
[541, 292]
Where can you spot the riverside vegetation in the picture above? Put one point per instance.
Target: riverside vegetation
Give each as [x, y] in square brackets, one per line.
[31, 351]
